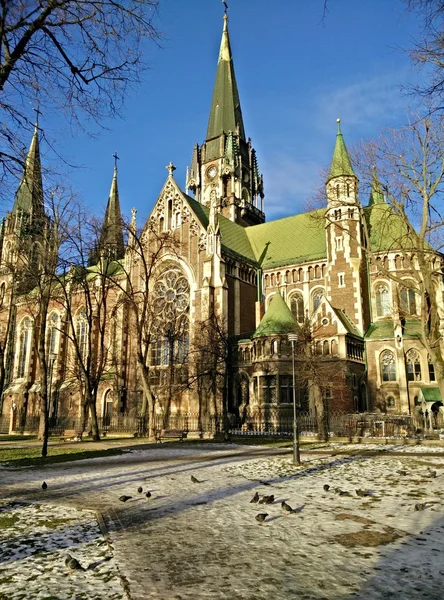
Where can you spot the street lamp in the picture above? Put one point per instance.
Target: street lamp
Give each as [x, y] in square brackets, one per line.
[293, 338]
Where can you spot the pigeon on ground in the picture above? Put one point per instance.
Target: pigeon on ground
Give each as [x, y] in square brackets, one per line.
[73, 563]
[401, 472]
[360, 493]
[420, 506]
[194, 479]
[260, 518]
[286, 508]
[270, 499]
[431, 474]
[125, 498]
[255, 498]
[148, 494]
[326, 487]
[44, 485]
[140, 489]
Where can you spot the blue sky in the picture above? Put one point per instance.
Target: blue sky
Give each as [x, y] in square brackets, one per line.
[295, 76]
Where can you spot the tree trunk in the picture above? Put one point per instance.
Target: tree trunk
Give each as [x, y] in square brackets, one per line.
[95, 432]
[147, 408]
[317, 402]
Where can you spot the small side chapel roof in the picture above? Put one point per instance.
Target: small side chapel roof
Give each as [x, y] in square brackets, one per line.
[384, 330]
[278, 319]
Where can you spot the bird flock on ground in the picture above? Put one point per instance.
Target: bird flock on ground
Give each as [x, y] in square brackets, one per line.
[74, 565]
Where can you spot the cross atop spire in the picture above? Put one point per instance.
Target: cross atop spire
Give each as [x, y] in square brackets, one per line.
[170, 168]
[225, 3]
[38, 112]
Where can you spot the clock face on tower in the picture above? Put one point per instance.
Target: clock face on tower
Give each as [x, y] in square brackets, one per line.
[212, 172]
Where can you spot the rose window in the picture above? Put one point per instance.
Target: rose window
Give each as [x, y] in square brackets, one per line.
[172, 295]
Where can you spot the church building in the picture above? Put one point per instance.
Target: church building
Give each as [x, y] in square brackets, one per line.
[225, 291]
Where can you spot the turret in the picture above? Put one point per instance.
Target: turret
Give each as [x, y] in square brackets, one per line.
[110, 242]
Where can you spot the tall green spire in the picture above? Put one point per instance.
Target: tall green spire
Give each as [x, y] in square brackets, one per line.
[278, 319]
[29, 195]
[111, 236]
[341, 164]
[376, 194]
[225, 113]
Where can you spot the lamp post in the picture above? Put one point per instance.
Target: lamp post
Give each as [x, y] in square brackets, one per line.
[293, 338]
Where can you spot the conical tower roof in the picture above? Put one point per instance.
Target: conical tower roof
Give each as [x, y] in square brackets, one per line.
[29, 195]
[341, 163]
[225, 112]
[111, 236]
[278, 319]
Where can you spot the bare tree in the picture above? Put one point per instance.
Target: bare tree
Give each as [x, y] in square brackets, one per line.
[153, 333]
[88, 298]
[73, 57]
[429, 51]
[408, 171]
[210, 361]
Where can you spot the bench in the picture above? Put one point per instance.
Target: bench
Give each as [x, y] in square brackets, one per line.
[170, 434]
[71, 435]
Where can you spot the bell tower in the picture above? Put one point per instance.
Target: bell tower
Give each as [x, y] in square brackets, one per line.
[226, 162]
[346, 272]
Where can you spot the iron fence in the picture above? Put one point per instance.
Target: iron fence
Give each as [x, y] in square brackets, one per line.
[338, 425]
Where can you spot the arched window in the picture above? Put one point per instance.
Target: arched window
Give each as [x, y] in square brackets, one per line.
[431, 368]
[326, 347]
[2, 293]
[24, 346]
[388, 366]
[297, 307]
[82, 335]
[53, 338]
[413, 365]
[408, 301]
[317, 297]
[274, 347]
[334, 347]
[382, 300]
[171, 304]
[182, 341]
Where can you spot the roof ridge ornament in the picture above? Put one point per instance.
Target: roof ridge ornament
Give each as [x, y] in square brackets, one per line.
[170, 168]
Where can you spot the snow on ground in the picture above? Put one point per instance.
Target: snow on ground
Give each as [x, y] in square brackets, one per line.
[202, 541]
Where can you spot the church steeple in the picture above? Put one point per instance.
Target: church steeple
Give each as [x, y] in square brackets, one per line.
[111, 235]
[226, 163]
[225, 112]
[341, 163]
[29, 195]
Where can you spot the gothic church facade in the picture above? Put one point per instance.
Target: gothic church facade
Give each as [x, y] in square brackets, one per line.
[260, 281]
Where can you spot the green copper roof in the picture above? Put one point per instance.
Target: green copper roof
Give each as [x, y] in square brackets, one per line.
[225, 113]
[278, 319]
[347, 322]
[376, 195]
[341, 164]
[387, 230]
[295, 239]
[431, 394]
[233, 236]
[384, 330]
[29, 196]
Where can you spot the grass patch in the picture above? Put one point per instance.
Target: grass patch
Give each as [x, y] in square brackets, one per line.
[30, 457]
[368, 539]
[8, 521]
[52, 523]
